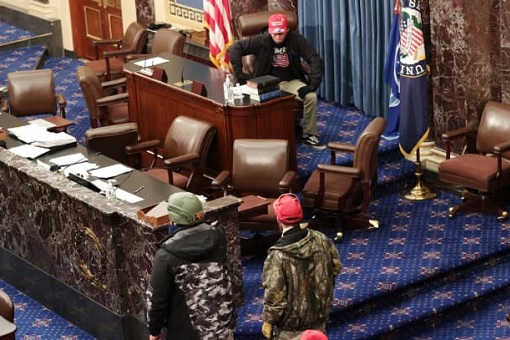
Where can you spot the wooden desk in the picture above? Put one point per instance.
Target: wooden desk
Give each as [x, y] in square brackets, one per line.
[154, 104]
[60, 123]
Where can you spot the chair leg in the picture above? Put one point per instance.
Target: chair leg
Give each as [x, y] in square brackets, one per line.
[478, 203]
[358, 222]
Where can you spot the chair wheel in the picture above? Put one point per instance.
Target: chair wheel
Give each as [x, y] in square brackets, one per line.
[502, 216]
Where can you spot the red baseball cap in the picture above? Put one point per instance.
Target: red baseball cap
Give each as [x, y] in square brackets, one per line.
[277, 23]
[288, 209]
[313, 335]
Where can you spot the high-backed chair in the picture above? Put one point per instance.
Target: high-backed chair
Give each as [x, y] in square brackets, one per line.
[109, 64]
[344, 191]
[484, 172]
[104, 107]
[183, 152]
[7, 326]
[256, 23]
[259, 167]
[165, 40]
[33, 93]
[112, 141]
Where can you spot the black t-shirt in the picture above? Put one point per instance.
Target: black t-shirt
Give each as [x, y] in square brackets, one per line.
[280, 63]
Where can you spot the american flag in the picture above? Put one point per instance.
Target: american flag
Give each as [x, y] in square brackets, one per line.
[218, 21]
[411, 38]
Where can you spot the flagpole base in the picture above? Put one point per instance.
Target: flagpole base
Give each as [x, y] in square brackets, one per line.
[419, 192]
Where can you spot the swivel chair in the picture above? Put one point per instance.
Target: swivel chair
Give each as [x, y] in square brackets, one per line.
[484, 172]
[7, 326]
[344, 191]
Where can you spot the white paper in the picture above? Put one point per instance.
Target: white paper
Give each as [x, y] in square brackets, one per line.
[80, 169]
[151, 62]
[28, 133]
[42, 122]
[119, 193]
[68, 159]
[28, 151]
[54, 139]
[111, 171]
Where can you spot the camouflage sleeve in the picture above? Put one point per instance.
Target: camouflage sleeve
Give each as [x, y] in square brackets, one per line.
[335, 259]
[275, 288]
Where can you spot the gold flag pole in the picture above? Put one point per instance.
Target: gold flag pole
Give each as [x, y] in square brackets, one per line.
[420, 192]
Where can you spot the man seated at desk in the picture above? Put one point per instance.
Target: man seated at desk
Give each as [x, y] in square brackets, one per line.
[279, 54]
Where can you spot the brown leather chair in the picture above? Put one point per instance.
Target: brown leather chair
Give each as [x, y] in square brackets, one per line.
[104, 107]
[165, 40]
[484, 172]
[33, 93]
[344, 191]
[259, 167]
[112, 141]
[256, 23]
[7, 326]
[110, 63]
[183, 153]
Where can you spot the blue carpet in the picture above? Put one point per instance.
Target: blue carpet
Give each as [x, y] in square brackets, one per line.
[419, 276]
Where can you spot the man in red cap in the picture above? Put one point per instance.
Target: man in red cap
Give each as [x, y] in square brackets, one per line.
[298, 277]
[280, 54]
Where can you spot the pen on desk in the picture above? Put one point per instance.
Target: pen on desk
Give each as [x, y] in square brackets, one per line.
[139, 189]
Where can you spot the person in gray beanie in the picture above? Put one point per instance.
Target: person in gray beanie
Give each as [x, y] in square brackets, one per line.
[190, 290]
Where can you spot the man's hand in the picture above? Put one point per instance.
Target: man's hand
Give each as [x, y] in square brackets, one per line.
[156, 337]
[267, 330]
[303, 91]
[242, 78]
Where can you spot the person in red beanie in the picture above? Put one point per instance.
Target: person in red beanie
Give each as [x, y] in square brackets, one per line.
[298, 276]
[312, 334]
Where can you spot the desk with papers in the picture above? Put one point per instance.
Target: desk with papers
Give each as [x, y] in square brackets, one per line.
[79, 253]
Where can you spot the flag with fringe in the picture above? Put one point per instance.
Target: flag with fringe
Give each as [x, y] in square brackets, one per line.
[218, 21]
[414, 101]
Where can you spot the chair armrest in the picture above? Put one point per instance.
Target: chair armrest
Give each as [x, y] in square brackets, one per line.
[62, 103]
[335, 147]
[338, 169]
[220, 181]
[183, 159]
[131, 57]
[104, 42]
[142, 146]
[116, 53]
[114, 83]
[501, 148]
[287, 181]
[116, 98]
[457, 133]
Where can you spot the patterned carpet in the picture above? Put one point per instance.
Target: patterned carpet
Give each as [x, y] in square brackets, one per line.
[419, 276]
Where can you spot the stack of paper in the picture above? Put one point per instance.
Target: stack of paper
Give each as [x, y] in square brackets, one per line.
[38, 136]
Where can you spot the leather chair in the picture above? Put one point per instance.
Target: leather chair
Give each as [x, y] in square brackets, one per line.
[165, 40]
[112, 141]
[256, 23]
[109, 64]
[259, 167]
[7, 326]
[104, 107]
[344, 191]
[33, 93]
[183, 153]
[484, 172]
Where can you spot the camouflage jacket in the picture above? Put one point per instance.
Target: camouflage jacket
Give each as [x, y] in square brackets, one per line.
[298, 278]
[190, 291]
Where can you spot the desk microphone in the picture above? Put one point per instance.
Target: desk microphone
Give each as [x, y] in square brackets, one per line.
[185, 54]
[145, 70]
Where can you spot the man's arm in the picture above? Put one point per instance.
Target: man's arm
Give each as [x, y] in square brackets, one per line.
[159, 294]
[315, 62]
[275, 288]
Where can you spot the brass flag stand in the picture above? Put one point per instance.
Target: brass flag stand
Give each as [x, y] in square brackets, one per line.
[420, 192]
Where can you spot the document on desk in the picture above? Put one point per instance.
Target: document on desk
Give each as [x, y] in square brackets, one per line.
[111, 171]
[28, 151]
[42, 122]
[151, 62]
[119, 193]
[75, 158]
[39, 136]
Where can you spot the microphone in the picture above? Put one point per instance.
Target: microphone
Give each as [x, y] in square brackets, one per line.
[185, 56]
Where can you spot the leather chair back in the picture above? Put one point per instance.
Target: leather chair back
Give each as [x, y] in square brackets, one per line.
[135, 37]
[259, 165]
[92, 91]
[32, 92]
[168, 40]
[188, 135]
[494, 127]
[112, 140]
[366, 150]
